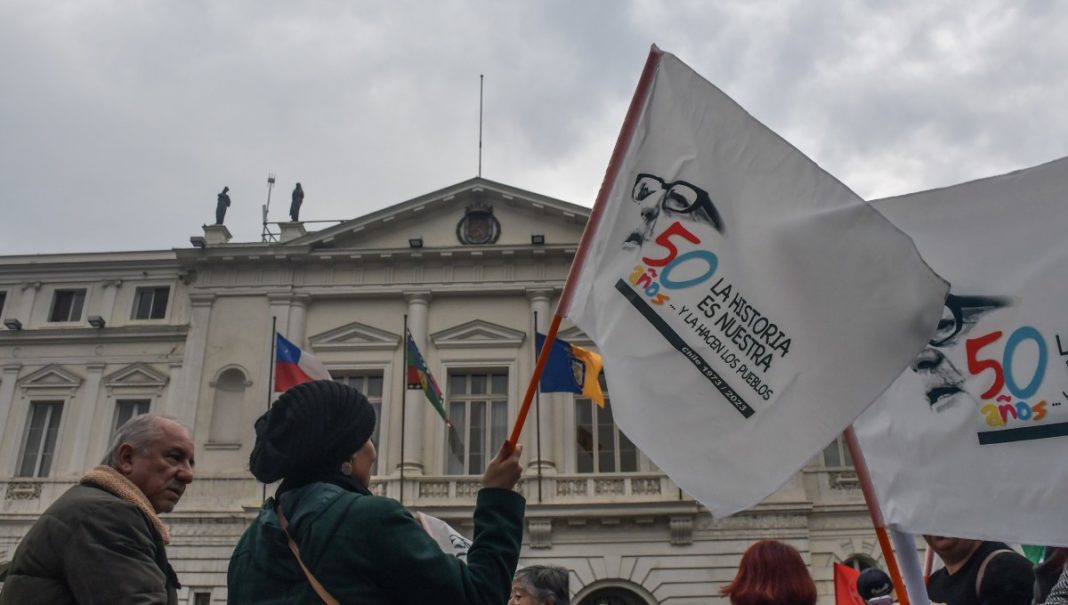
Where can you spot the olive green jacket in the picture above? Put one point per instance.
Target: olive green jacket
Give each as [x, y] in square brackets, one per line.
[369, 550]
[100, 542]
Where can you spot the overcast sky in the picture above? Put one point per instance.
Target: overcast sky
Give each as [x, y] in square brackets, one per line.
[121, 121]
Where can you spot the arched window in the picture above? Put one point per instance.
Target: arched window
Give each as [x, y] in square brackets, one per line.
[860, 562]
[230, 389]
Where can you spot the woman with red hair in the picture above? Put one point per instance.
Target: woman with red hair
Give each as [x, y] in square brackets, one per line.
[771, 573]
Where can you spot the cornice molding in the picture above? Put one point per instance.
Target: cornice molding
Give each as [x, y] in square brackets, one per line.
[95, 335]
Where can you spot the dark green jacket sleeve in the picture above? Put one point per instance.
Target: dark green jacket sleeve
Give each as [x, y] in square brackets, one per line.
[109, 556]
[410, 567]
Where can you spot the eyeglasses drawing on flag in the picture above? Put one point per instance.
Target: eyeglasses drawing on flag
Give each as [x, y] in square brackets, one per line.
[292, 366]
[747, 305]
[571, 369]
[964, 443]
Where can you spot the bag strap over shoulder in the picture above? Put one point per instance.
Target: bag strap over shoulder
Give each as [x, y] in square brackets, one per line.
[982, 568]
[316, 586]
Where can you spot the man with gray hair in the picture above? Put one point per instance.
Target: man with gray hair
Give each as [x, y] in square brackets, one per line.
[102, 541]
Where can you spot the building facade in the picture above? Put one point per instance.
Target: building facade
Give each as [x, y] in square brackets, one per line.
[472, 271]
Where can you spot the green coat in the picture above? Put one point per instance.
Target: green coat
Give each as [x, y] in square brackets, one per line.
[368, 550]
[91, 547]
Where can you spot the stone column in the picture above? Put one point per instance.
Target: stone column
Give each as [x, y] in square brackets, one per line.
[196, 344]
[415, 401]
[298, 320]
[539, 304]
[84, 410]
[7, 400]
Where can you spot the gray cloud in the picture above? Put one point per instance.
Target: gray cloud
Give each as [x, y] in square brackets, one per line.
[120, 121]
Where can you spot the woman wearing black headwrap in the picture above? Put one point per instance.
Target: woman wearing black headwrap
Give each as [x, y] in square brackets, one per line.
[325, 538]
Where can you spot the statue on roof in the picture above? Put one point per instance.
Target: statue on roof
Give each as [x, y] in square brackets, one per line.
[298, 199]
[221, 205]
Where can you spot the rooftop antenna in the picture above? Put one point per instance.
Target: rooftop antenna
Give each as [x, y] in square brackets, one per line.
[267, 236]
[480, 77]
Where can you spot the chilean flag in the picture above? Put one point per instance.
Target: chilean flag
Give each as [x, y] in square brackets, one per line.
[293, 366]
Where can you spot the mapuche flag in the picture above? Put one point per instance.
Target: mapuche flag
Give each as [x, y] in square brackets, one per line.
[571, 369]
[419, 377]
[293, 366]
[748, 306]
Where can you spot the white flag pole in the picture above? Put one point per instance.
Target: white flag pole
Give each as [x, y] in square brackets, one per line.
[876, 514]
[911, 570]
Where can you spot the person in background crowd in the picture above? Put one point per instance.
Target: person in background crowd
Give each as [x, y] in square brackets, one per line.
[1059, 594]
[1049, 571]
[102, 541]
[540, 585]
[875, 587]
[325, 538]
[979, 573]
[771, 573]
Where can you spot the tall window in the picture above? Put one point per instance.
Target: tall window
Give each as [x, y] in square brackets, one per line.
[67, 305]
[600, 446]
[478, 410]
[837, 454]
[40, 442]
[370, 384]
[3, 299]
[126, 409]
[151, 303]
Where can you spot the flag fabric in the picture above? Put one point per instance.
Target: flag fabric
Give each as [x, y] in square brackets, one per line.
[293, 366]
[419, 377]
[450, 540]
[571, 369]
[845, 586]
[969, 441]
[747, 305]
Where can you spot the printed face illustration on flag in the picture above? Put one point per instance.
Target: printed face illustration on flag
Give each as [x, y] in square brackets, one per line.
[967, 442]
[747, 305]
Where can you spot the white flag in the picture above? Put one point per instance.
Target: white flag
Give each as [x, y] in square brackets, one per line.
[748, 305]
[970, 441]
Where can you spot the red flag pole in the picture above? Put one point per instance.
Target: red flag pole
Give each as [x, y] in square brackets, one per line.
[876, 513]
[637, 103]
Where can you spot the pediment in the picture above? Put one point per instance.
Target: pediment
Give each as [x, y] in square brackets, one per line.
[136, 375]
[355, 336]
[477, 333]
[51, 377]
[435, 219]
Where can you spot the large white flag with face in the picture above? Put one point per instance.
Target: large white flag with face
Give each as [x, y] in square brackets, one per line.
[971, 440]
[748, 305]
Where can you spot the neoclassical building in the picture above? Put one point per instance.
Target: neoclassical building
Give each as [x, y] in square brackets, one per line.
[473, 270]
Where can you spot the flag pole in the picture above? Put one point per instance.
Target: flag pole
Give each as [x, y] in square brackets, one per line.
[876, 513]
[404, 404]
[270, 375]
[626, 133]
[537, 412]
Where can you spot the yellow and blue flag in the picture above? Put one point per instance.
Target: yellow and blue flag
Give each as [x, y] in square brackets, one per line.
[571, 369]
